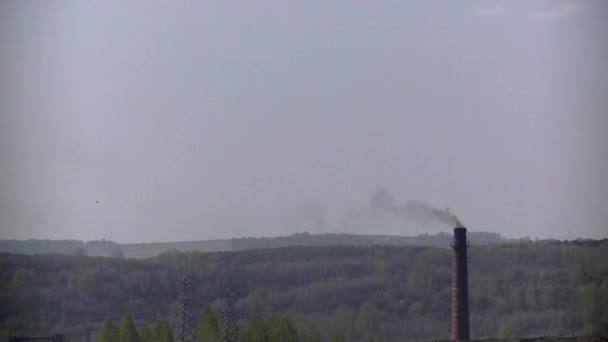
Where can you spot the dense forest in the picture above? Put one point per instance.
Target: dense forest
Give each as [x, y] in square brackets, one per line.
[347, 293]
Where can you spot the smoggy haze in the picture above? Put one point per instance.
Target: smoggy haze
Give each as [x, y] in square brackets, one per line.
[185, 121]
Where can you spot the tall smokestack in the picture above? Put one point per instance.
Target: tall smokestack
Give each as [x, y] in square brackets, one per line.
[460, 287]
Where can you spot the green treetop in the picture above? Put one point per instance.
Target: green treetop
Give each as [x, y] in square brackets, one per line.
[255, 331]
[128, 333]
[208, 328]
[281, 329]
[108, 332]
[161, 331]
[145, 334]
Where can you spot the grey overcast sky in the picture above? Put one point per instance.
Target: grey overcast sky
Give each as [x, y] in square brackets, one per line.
[164, 121]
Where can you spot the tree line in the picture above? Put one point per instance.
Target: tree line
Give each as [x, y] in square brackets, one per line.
[126, 331]
[278, 328]
[112, 249]
[528, 288]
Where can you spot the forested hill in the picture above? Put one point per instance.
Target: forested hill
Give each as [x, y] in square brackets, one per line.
[65, 247]
[390, 293]
[146, 250]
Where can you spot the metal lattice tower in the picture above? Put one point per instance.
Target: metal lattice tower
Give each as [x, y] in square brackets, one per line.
[185, 329]
[230, 329]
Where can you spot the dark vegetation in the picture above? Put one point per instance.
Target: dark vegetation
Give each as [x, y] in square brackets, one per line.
[66, 247]
[147, 250]
[339, 293]
[306, 239]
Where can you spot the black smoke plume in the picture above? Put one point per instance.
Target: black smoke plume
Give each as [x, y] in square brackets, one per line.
[382, 201]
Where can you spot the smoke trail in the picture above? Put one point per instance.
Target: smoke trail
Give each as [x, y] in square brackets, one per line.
[383, 201]
[422, 211]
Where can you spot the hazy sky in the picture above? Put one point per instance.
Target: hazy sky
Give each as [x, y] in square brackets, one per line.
[157, 121]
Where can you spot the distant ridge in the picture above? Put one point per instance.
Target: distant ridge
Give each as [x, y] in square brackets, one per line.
[146, 250]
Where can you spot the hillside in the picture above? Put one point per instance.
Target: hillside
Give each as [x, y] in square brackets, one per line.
[395, 292]
[147, 250]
